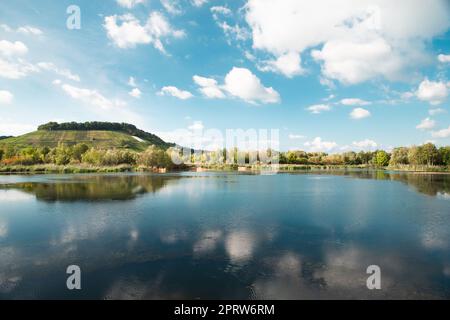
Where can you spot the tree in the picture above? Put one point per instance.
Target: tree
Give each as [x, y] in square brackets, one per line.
[382, 158]
[444, 155]
[430, 154]
[399, 156]
[415, 156]
[155, 157]
[78, 150]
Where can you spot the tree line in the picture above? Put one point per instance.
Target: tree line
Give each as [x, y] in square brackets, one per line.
[81, 153]
[424, 155]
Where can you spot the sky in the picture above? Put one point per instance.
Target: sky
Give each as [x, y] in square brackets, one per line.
[328, 75]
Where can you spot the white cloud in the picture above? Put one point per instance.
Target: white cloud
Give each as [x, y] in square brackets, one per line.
[444, 58]
[91, 97]
[444, 133]
[433, 92]
[197, 125]
[16, 70]
[175, 92]
[288, 64]
[366, 144]
[436, 111]
[296, 136]
[9, 49]
[135, 93]
[318, 108]
[132, 82]
[49, 66]
[199, 3]
[220, 9]
[209, 87]
[8, 127]
[6, 97]
[354, 102]
[359, 113]
[129, 3]
[243, 84]
[235, 32]
[171, 6]
[426, 124]
[239, 83]
[355, 40]
[126, 31]
[28, 30]
[318, 145]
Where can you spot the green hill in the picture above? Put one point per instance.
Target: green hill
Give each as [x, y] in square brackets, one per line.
[102, 135]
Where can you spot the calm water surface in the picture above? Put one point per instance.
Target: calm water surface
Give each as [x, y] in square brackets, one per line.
[225, 235]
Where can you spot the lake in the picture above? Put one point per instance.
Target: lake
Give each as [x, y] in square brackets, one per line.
[225, 235]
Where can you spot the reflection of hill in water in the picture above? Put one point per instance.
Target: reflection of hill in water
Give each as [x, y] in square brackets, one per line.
[426, 183]
[94, 188]
[128, 187]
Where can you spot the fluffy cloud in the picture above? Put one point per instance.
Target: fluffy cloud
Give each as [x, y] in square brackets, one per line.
[354, 102]
[426, 124]
[288, 64]
[444, 58]
[242, 83]
[126, 31]
[318, 108]
[135, 93]
[6, 97]
[318, 145]
[239, 83]
[9, 49]
[129, 3]
[359, 113]
[209, 87]
[175, 92]
[91, 97]
[354, 41]
[444, 133]
[366, 144]
[433, 92]
[13, 66]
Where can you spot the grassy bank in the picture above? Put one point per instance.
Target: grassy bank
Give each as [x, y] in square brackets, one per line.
[52, 168]
[85, 168]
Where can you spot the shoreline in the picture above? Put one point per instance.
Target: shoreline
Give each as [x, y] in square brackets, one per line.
[289, 168]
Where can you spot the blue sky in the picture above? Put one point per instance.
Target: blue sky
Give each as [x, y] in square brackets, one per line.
[354, 75]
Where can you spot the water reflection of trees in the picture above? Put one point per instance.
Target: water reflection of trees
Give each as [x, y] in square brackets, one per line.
[426, 183]
[94, 188]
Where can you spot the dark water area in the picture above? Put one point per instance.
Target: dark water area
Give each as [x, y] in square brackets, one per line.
[226, 235]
